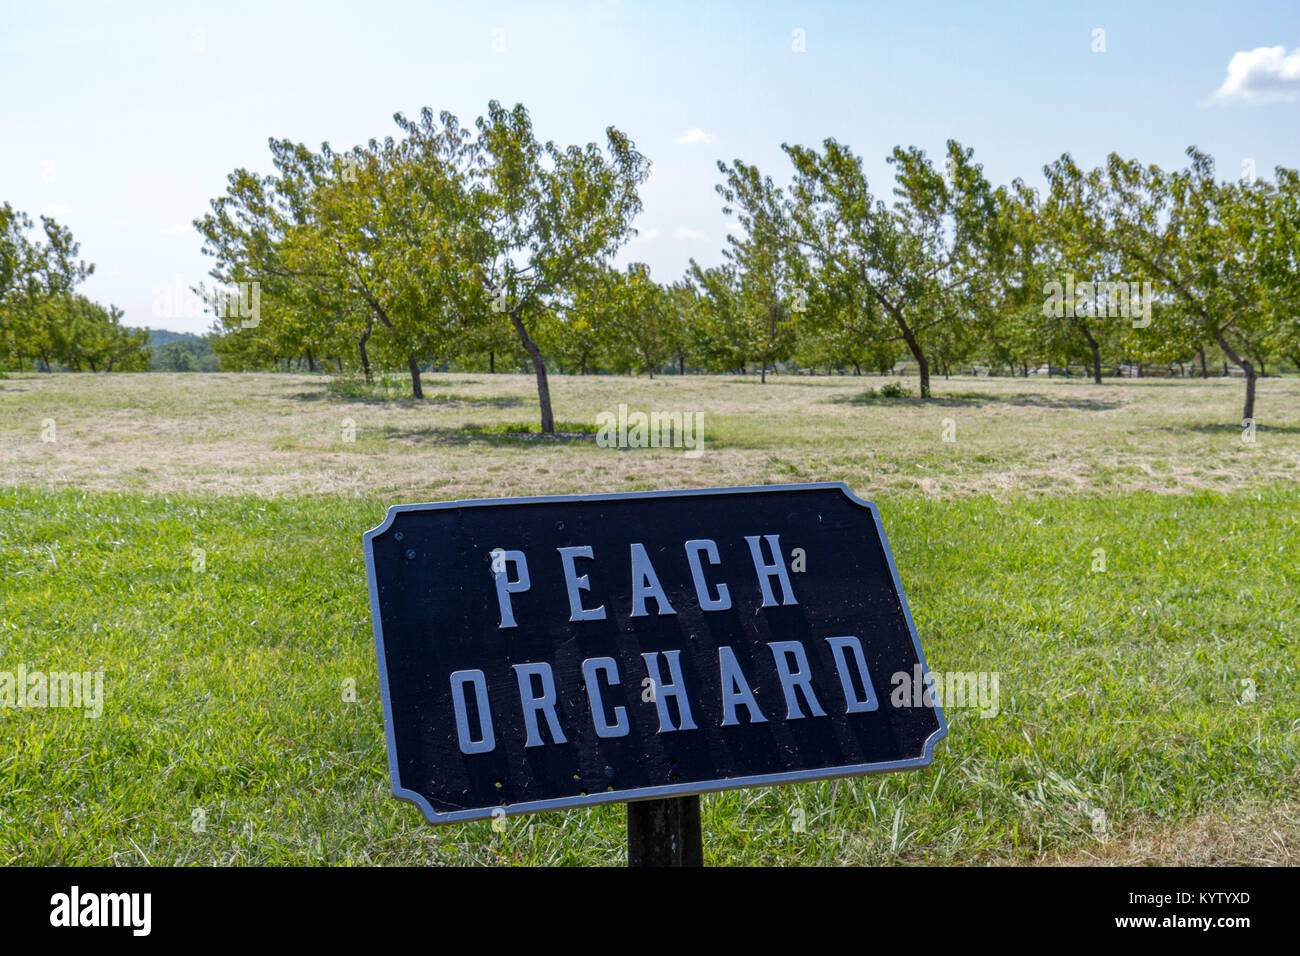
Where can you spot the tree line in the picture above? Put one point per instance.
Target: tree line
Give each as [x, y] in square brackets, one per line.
[478, 247]
[482, 246]
[43, 319]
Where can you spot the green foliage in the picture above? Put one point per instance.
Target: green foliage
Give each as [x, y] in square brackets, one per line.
[181, 352]
[445, 241]
[625, 318]
[43, 318]
[483, 248]
[1220, 251]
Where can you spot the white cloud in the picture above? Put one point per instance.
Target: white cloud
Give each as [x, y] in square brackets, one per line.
[695, 137]
[684, 233]
[55, 209]
[1262, 75]
[177, 230]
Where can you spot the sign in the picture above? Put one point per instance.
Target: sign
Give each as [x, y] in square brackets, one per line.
[538, 653]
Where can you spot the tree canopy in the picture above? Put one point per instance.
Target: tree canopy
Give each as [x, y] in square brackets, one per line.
[483, 246]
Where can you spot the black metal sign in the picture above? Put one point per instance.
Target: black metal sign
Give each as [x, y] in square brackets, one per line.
[537, 653]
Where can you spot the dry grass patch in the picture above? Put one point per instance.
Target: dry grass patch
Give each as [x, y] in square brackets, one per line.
[272, 435]
[1253, 836]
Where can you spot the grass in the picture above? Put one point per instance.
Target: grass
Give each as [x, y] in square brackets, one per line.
[1147, 712]
[890, 390]
[273, 435]
[1120, 691]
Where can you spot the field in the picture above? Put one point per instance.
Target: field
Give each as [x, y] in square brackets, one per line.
[197, 537]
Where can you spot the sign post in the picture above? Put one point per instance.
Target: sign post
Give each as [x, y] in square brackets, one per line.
[665, 832]
[542, 653]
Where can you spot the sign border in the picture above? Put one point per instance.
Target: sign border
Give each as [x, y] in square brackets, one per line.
[643, 793]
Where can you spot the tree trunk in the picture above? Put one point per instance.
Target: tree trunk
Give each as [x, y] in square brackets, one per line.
[492, 361]
[915, 347]
[417, 389]
[365, 356]
[1205, 372]
[857, 369]
[539, 369]
[681, 364]
[1247, 366]
[311, 361]
[1096, 354]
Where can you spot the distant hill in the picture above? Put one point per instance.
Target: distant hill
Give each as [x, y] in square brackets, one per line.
[181, 352]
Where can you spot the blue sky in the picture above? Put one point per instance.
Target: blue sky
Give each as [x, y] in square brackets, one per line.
[123, 123]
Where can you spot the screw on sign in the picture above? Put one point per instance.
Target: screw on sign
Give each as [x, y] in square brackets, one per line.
[542, 653]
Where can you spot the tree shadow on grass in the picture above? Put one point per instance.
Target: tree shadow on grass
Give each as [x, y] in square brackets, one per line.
[1070, 402]
[506, 436]
[390, 401]
[1213, 429]
[475, 401]
[978, 399]
[434, 400]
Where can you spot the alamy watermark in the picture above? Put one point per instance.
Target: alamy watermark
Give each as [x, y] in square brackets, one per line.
[949, 690]
[244, 302]
[1112, 298]
[129, 910]
[75, 690]
[178, 300]
[654, 430]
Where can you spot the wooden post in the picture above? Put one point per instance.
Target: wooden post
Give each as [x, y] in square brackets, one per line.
[665, 832]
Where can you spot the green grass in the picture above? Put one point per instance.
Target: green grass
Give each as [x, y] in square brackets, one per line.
[1120, 691]
[521, 429]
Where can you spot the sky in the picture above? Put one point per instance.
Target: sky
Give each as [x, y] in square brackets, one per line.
[122, 121]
